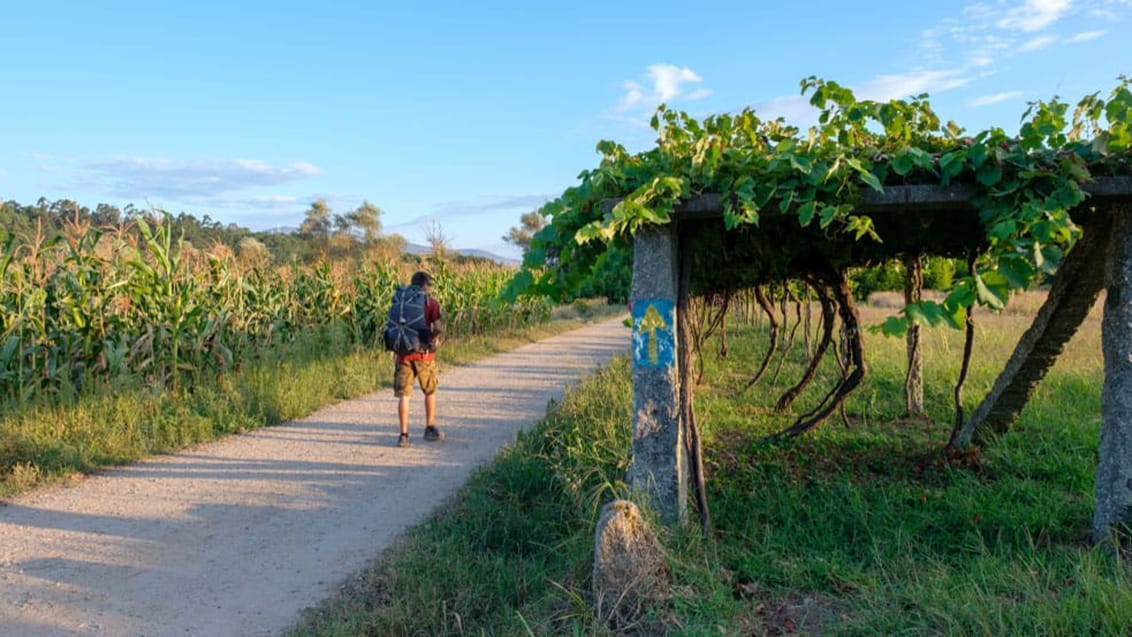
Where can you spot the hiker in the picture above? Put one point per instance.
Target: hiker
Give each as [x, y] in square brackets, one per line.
[418, 365]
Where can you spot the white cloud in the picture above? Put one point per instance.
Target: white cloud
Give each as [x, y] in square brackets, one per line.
[1085, 36]
[981, 47]
[795, 109]
[662, 83]
[491, 203]
[667, 79]
[1040, 42]
[1034, 15]
[901, 86]
[475, 211]
[633, 96]
[983, 34]
[137, 177]
[987, 100]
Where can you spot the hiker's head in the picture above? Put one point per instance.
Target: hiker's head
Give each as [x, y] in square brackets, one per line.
[421, 279]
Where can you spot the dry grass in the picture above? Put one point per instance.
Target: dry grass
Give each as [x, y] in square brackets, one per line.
[1021, 304]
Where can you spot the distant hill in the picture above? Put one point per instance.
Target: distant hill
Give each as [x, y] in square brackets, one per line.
[417, 249]
[282, 230]
[414, 248]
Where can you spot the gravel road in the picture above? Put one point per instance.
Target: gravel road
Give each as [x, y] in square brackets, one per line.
[237, 537]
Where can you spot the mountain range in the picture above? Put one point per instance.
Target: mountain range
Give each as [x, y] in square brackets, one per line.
[418, 249]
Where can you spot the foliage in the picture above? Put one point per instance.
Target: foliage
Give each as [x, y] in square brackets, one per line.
[939, 274]
[139, 305]
[317, 221]
[611, 276]
[1024, 185]
[886, 277]
[366, 219]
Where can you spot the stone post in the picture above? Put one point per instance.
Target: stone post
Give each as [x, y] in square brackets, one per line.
[1114, 467]
[658, 472]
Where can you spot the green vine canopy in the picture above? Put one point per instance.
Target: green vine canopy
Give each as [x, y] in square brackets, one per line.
[771, 172]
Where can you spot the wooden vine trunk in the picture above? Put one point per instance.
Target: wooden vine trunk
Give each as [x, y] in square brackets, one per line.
[768, 311]
[692, 443]
[828, 315]
[854, 351]
[914, 378]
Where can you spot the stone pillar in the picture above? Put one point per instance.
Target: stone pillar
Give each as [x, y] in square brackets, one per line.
[658, 472]
[1114, 467]
[1078, 283]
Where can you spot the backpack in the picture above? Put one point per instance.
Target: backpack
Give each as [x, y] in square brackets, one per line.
[406, 331]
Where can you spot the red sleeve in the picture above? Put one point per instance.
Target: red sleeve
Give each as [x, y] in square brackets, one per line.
[432, 311]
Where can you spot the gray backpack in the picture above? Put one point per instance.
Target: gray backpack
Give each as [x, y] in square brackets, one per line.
[406, 331]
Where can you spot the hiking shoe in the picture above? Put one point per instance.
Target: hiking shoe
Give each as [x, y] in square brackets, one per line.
[403, 440]
[432, 434]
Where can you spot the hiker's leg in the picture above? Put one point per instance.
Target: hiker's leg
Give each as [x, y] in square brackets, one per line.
[403, 376]
[430, 409]
[403, 413]
[429, 379]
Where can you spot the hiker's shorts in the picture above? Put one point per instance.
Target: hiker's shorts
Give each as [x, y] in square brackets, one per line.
[405, 372]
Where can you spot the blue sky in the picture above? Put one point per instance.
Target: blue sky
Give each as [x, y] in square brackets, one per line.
[466, 115]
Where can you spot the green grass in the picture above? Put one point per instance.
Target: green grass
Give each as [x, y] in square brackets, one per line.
[510, 552]
[42, 443]
[860, 528]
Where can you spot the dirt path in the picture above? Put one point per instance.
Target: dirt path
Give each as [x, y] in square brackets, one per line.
[236, 537]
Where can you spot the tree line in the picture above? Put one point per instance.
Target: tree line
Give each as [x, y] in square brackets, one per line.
[323, 234]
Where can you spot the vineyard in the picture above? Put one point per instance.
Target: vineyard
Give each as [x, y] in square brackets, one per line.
[133, 305]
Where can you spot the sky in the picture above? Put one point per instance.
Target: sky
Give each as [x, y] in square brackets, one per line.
[462, 116]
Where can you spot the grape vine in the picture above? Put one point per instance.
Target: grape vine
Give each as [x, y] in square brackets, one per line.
[1024, 186]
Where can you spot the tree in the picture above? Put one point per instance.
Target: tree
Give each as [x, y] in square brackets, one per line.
[107, 215]
[13, 221]
[316, 225]
[367, 218]
[530, 224]
[435, 236]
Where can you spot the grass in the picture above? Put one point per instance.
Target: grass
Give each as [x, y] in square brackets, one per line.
[860, 528]
[42, 444]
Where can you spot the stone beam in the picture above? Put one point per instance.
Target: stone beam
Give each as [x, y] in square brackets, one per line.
[921, 197]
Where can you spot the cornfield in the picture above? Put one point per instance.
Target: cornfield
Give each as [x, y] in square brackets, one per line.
[109, 306]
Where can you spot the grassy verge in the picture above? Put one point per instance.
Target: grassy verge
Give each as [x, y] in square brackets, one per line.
[509, 554]
[860, 528]
[44, 444]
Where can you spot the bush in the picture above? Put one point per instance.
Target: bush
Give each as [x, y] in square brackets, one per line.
[886, 277]
[939, 273]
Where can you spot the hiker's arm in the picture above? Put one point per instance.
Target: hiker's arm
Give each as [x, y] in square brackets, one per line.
[436, 329]
[435, 324]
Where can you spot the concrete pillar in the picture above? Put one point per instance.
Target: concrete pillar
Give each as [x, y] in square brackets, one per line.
[1078, 283]
[658, 472]
[1114, 466]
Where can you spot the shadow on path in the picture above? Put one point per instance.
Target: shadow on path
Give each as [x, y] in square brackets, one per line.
[236, 537]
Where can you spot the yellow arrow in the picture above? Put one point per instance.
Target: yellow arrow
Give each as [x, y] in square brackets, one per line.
[650, 323]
